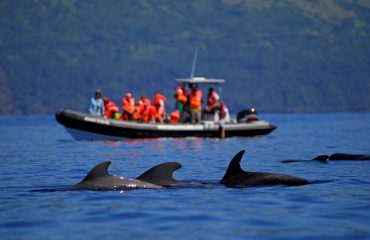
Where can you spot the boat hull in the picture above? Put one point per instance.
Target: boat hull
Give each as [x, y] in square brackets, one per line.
[83, 126]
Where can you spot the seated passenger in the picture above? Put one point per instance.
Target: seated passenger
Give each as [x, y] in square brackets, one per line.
[213, 101]
[111, 110]
[96, 107]
[136, 113]
[158, 103]
[147, 113]
[142, 101]
[128, 106]
[175, 117]
[224, 113]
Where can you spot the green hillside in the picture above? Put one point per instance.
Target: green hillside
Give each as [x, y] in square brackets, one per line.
[281, 56]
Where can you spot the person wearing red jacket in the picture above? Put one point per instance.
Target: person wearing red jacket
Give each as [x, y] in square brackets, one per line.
[110, 108]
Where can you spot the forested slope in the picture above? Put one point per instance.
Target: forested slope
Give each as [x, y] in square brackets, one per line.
[281, 56]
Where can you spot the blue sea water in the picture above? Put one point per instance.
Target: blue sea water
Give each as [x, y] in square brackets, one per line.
[39, 160]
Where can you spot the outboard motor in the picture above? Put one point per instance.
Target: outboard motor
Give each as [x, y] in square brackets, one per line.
[248, 115]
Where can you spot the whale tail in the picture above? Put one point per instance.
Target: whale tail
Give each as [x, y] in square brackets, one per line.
[161, 174]
[234, 166]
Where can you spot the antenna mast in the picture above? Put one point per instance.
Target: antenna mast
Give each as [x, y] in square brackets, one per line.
[194, 63]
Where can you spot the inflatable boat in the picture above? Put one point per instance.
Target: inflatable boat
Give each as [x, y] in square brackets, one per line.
[83, 126]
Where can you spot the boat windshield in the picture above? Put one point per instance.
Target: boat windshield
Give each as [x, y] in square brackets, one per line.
[200, 80]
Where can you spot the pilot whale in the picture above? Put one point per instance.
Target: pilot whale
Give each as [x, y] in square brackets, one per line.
[98, 178]
[333, 157]
[235, 176]
[346, 156]
[320, 158]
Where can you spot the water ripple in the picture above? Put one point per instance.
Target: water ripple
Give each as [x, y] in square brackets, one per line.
[39, 161]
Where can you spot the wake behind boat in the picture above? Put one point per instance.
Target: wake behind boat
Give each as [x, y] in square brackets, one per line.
[82, 126]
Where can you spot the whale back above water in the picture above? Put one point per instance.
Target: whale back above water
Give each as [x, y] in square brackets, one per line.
[346, 156]
[333, 157]
[98, 178]
[235, 176]
[320, 158]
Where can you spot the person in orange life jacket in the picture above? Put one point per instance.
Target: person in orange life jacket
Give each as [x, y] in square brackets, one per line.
[140, 106]
[96, 107]
[175, 117]
[180, 97]
[110, 108]
[159, 107]
[142, 101]
[213, 101]
[181, 101]
[128, 106]
[195, 104]
[147, 113]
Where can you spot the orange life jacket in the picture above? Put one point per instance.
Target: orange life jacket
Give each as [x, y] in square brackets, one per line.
[109, 109]
[136, 114]
[146, 114]
[142, 102]
[181, 95]
[158, 103]
[128, 104]
[157, 99]
[196, 99]
[175, 117]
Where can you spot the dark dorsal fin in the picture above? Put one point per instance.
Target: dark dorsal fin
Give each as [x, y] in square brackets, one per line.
[321, 158]
[161, 174]
[100, 170]
[234, 166]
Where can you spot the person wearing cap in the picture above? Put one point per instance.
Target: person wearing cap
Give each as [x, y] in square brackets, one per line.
[111, 110]
[96, 107]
